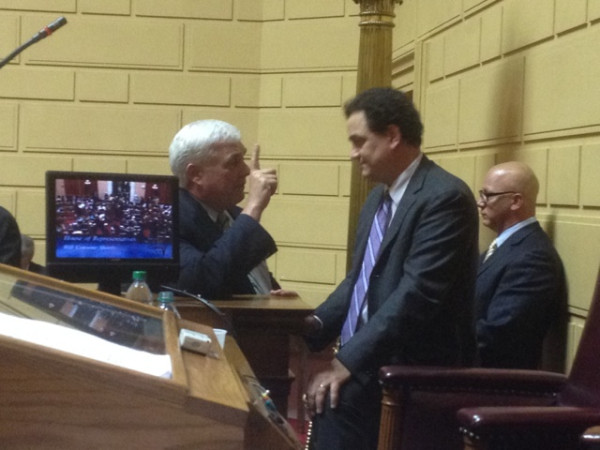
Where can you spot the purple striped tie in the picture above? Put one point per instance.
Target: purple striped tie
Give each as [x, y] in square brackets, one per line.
[380, 224]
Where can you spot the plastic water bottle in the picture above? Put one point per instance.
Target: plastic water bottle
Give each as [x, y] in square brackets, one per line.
[166, 301]
[139, 289]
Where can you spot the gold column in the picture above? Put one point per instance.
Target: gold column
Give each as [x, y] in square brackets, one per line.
[374, 70]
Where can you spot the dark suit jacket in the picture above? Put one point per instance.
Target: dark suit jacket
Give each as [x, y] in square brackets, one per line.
[10, 239]
[216, 264]
[519, 293]
[421, 288]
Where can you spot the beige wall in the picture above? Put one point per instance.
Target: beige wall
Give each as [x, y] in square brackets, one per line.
[494, 80]
[500, 80]
[109, 90]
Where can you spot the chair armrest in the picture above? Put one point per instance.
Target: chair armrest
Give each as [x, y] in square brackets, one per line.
[471, 379]
[484, 421]
[591, 437]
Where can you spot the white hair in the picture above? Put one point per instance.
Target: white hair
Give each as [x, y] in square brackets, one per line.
[195, 141]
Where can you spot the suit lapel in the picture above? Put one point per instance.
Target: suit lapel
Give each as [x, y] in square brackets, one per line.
[408, 199]
[505, 249]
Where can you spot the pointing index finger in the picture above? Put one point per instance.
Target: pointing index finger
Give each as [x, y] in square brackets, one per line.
[254, 163]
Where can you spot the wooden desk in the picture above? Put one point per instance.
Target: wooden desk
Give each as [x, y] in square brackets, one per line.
[57, 393]
[263, 329]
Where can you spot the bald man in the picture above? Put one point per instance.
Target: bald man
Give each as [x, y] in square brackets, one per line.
[520, 283]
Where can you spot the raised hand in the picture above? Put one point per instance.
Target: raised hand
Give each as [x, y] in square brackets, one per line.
[262, 184]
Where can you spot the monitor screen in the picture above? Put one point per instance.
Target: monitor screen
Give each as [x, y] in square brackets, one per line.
[101, 227]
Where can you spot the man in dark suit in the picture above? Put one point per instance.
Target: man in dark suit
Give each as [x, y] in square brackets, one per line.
[10, 239]
[418, 306]
[222, 246]
[521, 285]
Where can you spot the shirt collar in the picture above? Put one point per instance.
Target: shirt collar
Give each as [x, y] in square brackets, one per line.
[502, 237]
[398, 187]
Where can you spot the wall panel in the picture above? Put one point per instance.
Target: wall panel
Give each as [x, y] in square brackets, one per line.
[107, 42]
[491, 33]
[83, 129]
[9, 35]
[433, 13]
[563, 190]
[312, 9]
[314, 222]
[260, 91]
[180, 89]
[307, 91]
[8, 199]
[570, 14]
[315, 266]
[40, 5]
[462, 46]
[19, 170]
[111, 7]
[590, 171]
[569, 99]
[517, 23]
[38, 84]
[206, 9]
[334, 44]
[491, 102]
[8, 126]
[309, 179]
[31, 211]
[239, 46]
[306, 133]
[102, 86]
[440, 117]
[260, 10]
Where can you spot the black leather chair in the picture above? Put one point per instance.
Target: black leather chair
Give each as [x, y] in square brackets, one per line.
[441, 408]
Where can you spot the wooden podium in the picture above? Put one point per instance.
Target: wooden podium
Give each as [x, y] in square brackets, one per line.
[83, 369]
[263, 327]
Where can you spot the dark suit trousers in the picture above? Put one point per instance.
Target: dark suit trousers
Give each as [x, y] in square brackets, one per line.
[354, 424]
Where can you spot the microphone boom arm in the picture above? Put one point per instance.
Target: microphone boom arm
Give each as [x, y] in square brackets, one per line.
[44, 32]
[206, 303]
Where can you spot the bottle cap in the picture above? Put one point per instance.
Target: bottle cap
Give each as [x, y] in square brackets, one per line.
[139, 275]
[165, 297]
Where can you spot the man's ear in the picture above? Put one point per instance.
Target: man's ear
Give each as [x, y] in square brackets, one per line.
[517, 201]
[193, 173]
[394, 134]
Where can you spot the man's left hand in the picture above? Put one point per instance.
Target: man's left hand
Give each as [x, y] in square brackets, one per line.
[283, 293]
[331, 381]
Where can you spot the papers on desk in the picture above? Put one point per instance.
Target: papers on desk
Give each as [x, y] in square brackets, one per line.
[83, 344]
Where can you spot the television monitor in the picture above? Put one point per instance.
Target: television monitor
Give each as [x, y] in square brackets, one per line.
[100, 227]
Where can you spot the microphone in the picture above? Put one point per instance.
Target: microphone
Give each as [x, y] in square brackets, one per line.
[43, 33]
[222, 316]
[48, 29]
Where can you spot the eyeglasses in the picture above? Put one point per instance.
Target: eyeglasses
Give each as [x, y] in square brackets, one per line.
[485, 196]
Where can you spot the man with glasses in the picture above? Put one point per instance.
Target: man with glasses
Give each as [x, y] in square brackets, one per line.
[520, 283]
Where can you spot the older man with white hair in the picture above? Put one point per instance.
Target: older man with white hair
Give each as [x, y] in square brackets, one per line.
[222, 247]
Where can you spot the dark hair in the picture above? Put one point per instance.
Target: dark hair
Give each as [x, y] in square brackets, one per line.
[387, 106]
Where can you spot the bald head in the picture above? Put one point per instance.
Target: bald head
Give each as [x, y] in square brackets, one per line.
[518, 177]
[512, 190]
